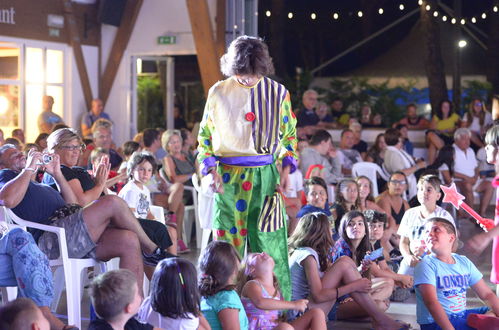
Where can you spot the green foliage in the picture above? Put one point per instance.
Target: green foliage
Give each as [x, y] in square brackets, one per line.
[151, 113]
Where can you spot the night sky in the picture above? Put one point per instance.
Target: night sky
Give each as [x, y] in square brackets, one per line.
[307, 43]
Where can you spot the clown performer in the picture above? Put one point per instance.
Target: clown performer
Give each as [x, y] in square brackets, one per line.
[247, 127]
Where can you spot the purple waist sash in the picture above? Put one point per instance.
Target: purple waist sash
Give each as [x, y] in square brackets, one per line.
[250, 161]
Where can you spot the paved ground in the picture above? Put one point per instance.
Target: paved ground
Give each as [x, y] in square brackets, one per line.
[405, 311]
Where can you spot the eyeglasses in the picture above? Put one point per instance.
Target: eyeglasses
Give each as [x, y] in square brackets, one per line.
[73, 148]
[398, 182]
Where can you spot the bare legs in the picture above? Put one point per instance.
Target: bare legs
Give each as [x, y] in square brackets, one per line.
[173, 202]
[488, 190]
[435, 143]
[55, 323]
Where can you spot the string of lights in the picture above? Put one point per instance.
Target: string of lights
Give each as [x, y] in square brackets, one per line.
[438, 14]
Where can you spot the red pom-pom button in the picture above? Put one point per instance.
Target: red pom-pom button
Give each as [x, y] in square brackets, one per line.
[250, 116]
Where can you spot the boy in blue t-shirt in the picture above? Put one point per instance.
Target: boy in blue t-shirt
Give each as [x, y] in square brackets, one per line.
[441, 280]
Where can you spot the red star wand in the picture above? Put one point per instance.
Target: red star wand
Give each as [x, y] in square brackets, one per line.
[452, 196]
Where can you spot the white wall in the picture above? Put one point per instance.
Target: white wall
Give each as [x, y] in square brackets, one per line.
[156, 18]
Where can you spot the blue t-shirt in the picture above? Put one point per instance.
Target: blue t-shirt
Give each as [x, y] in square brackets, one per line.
[89, 118]
[306, 209]
[212, 305]
[38, 204]
[450, 281]
[306, 117]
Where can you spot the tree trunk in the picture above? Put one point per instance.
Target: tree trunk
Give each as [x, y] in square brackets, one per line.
[493, 52]
[276, 41]
[434, 65]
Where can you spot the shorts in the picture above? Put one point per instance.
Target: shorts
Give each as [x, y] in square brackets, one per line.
[157, 232]
[457, 320]
[78, 240]
[448, 140]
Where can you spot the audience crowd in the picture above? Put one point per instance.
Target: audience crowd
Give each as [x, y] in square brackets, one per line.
[338, 215]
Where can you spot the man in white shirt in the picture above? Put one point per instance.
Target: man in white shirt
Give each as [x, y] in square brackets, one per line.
[466, 171]
[347, 155]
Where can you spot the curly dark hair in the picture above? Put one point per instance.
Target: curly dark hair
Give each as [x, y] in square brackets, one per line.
[174, 290]
[217, 263]
[138, 158]
[247, 56]
[439, 113]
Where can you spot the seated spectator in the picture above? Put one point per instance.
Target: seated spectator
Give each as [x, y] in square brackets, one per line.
[25, 266]
[139, 138]
[359, 144]
[347, 155]
[376, 154]
[321, 152]
[103, 230]
[377, 121]
[115, 180]
[177, 278]
[129, 147]
[317, 200]
[15, 142]
[179, 121]
[485, 170]
[466, 171]
[325, 119]
[354, 243]
[18, 133]
[140, 169]
[443, 124]
[29, 146]
[412, 120]
[151, 138]
[178, 165]
[404, 133]
[396, 159]
[365, 194]
[102, 132]
[188, 143]
[365, 116]
[477, 120]
[444, 164]
[116, 298]
[307, 119]
[22, 314]
[41, 141]
[48, 119]
[347, 199]
[411, 228]
[89, 118]
[59, 126]
[339, 115]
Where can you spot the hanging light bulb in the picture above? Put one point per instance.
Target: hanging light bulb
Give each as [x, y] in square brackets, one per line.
[336, 16]
[495, 9]
[444, 18]
[463, 21]
[360, 14]
[473, 20]
[484, 16]
[453, 20]
[435, 13]
[428, 7]
[290, 15]
[420, 2]
[267, 13]
[401, 6]
[380, 11]
[313, 16]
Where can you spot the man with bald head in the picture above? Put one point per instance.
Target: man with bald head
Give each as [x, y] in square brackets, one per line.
[88, 119]
[48, 119]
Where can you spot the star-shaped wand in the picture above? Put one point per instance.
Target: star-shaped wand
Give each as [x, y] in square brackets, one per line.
[452, 196]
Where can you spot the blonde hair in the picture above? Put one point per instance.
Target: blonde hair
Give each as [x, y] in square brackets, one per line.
[101, 123]
[62, 136]
[245, 275]
[165, 138]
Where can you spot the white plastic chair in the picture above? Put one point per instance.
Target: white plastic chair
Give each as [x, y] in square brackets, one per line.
[369, 170]
[9, 293]
[72, 268]
[206, 199]
[191, 215]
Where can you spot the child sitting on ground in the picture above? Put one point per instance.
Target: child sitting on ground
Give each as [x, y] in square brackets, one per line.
[441, 280]
[411, 228]
[263, 301]
[316, 192]
[23, 313]
[220, 303]
[354, 243]
[115, 297]
[174, 299]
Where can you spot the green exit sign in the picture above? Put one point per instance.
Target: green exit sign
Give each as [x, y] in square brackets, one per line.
[167, 40]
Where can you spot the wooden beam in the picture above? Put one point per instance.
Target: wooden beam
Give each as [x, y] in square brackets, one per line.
[220, 27]
[202, 31]
[75, 42]
[120, 43]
